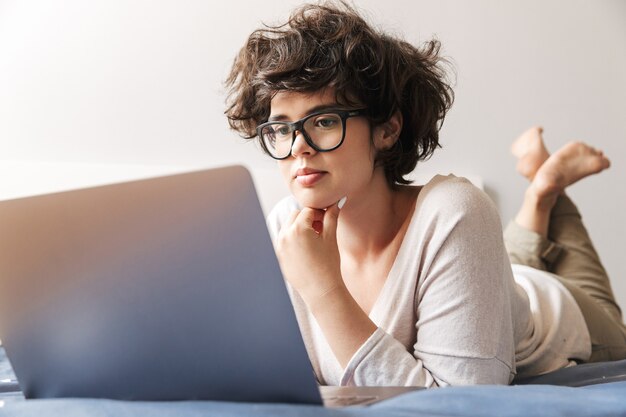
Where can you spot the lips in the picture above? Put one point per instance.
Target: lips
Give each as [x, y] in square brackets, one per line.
[308, 176]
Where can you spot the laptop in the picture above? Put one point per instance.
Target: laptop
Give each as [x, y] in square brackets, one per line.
[158, 289]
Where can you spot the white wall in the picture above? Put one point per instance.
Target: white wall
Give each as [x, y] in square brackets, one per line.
[132, 83]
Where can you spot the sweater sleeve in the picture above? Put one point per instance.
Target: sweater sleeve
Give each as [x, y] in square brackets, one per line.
[464, 324]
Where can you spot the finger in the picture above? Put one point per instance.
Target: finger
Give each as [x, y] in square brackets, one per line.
[330, 220]
[308, 216]
[292, 218]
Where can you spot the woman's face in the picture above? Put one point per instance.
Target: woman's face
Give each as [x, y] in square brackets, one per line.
[320, 179]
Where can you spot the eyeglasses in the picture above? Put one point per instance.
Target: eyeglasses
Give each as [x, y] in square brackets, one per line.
[323, 131]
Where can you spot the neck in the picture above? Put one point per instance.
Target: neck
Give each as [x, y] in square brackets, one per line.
[371, 220]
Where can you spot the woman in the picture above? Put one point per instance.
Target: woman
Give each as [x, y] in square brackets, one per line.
[396, 284]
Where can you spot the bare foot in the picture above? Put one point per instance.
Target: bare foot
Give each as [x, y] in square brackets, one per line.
[571, 163]
[530, 152]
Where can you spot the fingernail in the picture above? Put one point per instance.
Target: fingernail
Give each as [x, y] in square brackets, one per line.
[342, 202]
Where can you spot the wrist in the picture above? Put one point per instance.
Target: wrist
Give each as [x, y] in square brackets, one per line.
[332, 295]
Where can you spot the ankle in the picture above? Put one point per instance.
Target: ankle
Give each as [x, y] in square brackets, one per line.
[535, 212]
[538, 199]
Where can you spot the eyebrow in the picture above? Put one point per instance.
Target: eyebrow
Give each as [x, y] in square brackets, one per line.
[282, 117]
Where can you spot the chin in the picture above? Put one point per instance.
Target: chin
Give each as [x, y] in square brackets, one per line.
[315, 202]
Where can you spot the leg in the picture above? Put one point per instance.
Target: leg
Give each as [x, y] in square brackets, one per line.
[579, 262]
[548, 234]
[549, 175]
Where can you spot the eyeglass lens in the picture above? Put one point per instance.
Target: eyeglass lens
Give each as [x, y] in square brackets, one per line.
[324, 130]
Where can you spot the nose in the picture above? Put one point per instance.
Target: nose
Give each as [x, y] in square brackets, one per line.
[300, 146]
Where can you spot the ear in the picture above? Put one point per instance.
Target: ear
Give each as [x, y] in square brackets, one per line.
[386, 134]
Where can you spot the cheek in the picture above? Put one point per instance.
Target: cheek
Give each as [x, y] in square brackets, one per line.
[361, 140]
[361, 153]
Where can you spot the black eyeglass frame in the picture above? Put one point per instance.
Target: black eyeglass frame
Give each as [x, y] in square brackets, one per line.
[298, 126]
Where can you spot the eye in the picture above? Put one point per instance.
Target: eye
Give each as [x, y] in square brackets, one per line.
[327, 121]
[282, 130]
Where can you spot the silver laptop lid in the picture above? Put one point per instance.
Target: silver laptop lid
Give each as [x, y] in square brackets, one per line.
[158, 289]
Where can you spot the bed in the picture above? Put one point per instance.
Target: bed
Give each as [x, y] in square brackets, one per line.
[604, 394]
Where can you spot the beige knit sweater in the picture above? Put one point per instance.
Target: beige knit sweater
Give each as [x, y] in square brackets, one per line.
[452, 310]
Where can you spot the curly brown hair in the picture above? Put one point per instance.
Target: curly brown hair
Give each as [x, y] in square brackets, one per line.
[331, 45]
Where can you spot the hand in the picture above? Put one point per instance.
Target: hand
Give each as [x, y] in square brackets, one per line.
[308, 253]
[309, 258]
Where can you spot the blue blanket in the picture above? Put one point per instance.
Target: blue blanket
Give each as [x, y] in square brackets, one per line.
[489, 400]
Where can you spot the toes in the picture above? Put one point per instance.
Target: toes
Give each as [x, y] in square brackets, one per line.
[597, 165]
[528, 141]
